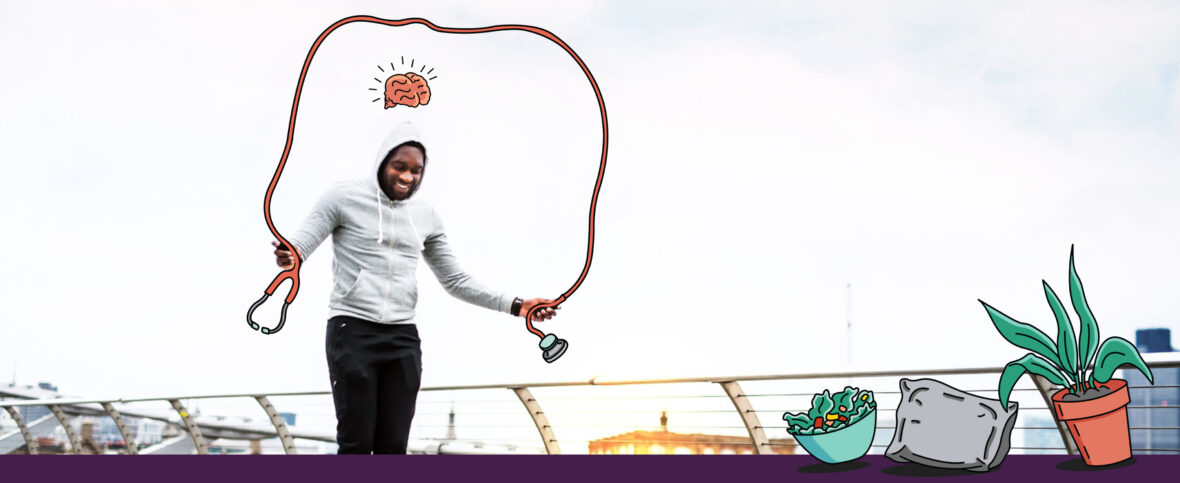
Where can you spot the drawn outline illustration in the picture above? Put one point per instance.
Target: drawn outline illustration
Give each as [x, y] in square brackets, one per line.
[552, 346]
[1083, 366]
[409, 89]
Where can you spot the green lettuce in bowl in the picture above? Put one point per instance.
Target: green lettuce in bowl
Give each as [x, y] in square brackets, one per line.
[832, 412]
[830, 431]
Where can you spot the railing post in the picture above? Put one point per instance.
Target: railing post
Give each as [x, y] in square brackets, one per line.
[543, 427]
[1046, 389]
[193, 430]
[749, 417]
[280, 425]
[30, 444]
[75, 441]
[128, 439]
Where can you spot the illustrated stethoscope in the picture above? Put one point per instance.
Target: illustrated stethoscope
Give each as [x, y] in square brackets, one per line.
[551, 346]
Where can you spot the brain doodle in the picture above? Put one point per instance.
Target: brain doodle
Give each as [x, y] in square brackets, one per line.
[406, 89]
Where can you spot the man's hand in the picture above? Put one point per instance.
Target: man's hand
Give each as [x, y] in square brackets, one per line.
[542, 314]
[283, 256]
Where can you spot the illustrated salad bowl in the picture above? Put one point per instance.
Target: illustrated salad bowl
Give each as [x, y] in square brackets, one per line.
[838, 428]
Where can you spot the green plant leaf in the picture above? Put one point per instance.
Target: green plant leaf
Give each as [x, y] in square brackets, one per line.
[1023, 335]
[1115, 352]
[1029, 363]
[1067, 345]
[1088, 327]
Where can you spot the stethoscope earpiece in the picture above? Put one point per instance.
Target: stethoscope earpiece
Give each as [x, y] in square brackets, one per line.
[293, 274]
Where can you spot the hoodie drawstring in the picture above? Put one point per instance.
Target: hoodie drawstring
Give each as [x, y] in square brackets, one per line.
[380, 221]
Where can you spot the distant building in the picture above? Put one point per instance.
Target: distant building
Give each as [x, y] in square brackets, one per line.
[663, 441]
[451, 444]
[451, 424]
[1041, 435]
[33, 413]
[104, 431]
[149, 431]
[1154, 340]
[1151, 404]
[1148, 408]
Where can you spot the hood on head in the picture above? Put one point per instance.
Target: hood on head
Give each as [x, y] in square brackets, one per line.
[402, 133]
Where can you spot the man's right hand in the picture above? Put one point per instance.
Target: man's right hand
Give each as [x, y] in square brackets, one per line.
[283, 256]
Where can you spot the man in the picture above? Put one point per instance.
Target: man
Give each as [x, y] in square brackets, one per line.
[378, 232]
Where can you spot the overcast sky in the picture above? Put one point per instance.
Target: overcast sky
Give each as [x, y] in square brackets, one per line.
[762, 157]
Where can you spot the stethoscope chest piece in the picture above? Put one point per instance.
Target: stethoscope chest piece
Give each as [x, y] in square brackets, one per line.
[552, 348]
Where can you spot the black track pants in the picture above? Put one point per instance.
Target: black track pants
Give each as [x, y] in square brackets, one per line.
[375, 370]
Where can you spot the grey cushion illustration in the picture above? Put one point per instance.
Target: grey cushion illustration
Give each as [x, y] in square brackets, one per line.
[943, 427]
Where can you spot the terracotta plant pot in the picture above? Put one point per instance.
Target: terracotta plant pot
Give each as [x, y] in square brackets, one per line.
[1099, 426]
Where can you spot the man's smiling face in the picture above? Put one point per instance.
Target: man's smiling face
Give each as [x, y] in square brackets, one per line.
[401, 172]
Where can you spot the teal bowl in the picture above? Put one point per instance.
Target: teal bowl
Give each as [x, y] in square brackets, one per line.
[844, 444]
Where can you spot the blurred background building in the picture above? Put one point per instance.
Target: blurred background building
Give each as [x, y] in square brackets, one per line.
[1154, 413]
[662, 441]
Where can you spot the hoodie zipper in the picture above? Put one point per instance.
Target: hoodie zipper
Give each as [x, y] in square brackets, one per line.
[389, 267]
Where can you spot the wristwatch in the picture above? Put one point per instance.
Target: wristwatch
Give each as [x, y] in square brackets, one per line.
[516, 303]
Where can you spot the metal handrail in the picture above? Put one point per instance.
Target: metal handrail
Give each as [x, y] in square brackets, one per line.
[594, 381]
[729, 384]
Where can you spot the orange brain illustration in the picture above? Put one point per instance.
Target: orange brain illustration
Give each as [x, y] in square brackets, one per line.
[407, 90]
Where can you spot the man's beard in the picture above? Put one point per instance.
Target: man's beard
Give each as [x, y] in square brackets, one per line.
[391, 193]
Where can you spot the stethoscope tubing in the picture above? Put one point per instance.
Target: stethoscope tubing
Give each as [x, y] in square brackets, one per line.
[293, 272]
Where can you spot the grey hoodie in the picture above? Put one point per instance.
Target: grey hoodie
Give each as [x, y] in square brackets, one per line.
[376, 242]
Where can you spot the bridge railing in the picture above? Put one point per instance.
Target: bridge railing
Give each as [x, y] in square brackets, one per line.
[738, 414]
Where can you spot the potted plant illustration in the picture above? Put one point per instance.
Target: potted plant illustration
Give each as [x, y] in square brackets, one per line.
[838, 427]
[1091, 404]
